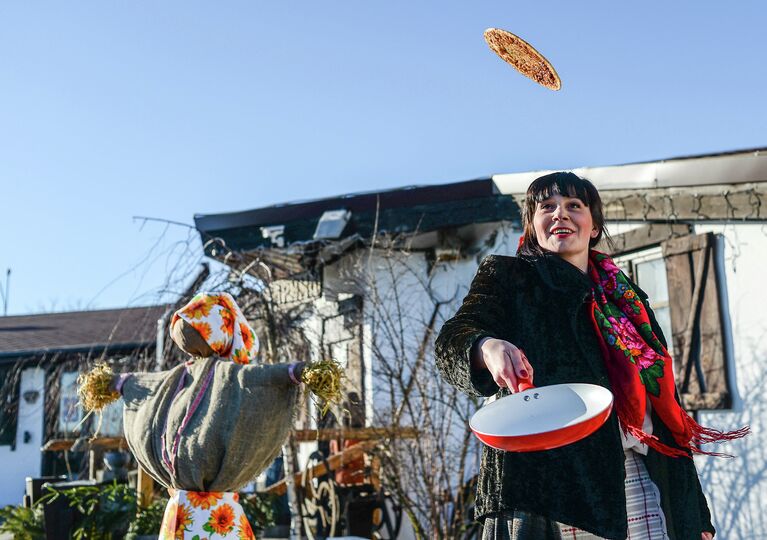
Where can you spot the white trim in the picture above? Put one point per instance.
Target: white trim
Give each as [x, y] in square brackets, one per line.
[725, 169]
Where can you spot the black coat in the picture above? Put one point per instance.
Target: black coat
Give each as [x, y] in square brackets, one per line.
[541, 306]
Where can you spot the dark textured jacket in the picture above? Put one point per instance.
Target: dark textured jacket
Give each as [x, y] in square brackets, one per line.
[541, 306]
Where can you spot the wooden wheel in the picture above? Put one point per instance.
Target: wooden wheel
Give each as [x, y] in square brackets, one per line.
[320, 508]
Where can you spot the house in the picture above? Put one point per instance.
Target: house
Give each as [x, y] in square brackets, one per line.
[40, 359]
[296, 270]
[368, 278]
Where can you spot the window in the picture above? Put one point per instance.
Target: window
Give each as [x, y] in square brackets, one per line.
[683, 277]
[112, 419]
[70, 412]
[648, 270]
[8, 406]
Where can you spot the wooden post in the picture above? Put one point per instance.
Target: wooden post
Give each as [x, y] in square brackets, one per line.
[95, 461]
[92, 464]
[290, 484]
[144, 488]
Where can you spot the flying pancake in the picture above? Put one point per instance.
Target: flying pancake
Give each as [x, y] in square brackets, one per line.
[523, 57]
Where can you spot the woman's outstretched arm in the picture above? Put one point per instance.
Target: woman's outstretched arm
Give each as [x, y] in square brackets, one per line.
[465, 356]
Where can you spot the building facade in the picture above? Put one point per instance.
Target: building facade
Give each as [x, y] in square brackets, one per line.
[369, 278]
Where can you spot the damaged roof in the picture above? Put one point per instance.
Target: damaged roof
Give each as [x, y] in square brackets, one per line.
[428, 208]
[412, 209]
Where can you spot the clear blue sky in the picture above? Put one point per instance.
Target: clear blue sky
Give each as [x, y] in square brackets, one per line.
[115, 109]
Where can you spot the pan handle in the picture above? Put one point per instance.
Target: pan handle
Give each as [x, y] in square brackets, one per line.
[524, 384]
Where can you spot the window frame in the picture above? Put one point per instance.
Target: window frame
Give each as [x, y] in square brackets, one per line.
[710, 385]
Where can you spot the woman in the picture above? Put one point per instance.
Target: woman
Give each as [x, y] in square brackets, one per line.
[558, 313]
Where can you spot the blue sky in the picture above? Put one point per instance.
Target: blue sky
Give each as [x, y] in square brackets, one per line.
[111, 110]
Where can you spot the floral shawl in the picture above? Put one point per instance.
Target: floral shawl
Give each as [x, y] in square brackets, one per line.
[639, 366]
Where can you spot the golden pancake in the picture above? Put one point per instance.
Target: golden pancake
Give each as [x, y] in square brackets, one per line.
[525, 59]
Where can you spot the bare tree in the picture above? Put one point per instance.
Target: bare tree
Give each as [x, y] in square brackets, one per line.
[403, 311]
[405, 298]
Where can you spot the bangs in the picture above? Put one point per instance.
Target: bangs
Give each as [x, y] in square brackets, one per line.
[565, 184]
[560, 183]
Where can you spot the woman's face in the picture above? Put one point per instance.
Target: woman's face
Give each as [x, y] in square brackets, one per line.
[563, 225]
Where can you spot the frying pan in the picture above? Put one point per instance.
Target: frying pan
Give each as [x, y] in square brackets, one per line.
[542, 418]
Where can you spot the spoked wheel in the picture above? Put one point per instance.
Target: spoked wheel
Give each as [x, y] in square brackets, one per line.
[320, 508]
[387, 518]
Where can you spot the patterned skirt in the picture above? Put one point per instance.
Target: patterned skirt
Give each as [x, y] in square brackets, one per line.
[645, 517]
[194, 515]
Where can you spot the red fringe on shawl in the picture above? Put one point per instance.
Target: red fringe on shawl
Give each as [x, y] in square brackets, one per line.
[700, 435]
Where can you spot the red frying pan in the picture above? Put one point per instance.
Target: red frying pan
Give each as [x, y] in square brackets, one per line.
[542, 418]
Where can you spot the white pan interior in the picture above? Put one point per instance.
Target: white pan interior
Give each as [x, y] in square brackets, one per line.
[543, 409]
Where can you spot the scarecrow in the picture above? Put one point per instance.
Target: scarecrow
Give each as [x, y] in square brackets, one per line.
[207, 427]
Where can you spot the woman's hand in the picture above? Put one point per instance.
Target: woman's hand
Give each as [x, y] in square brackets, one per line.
[505, 361]
[706, 536]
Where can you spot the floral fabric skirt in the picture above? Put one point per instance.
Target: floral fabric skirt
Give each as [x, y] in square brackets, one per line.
[199, 515]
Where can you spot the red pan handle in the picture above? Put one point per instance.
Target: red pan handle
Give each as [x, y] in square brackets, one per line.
[524, 384]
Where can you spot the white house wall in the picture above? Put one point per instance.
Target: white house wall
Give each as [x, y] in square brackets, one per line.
[737, 488]
[401, 292]
[396, 311]
[413, 298]
[312, 328]
[25, 460]
[406, 289]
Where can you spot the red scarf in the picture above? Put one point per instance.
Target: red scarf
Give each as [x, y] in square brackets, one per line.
[638, 365]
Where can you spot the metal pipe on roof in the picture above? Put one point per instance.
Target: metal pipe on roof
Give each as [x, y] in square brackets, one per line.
[160, 341]
[6, 292]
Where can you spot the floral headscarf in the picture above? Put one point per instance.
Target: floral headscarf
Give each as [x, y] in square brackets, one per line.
[220, 322]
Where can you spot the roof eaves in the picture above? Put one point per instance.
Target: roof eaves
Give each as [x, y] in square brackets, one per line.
[735, 167]
[356, 202]
[101, 347]
[297, 235]
[56, 314]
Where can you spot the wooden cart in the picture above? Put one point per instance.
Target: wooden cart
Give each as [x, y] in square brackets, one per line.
[341, 493]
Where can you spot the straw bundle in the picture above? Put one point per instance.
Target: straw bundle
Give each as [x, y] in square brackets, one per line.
[95, 388]
[323, 379]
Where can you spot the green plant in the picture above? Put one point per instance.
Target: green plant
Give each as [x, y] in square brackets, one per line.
[106, 510]
[258, 509]
[148, 520]
[23, 523]
[110, 511]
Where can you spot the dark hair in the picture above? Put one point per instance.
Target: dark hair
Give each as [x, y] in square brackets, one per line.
[559, 183]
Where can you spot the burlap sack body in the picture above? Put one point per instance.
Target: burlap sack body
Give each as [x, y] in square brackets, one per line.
[241, 421]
